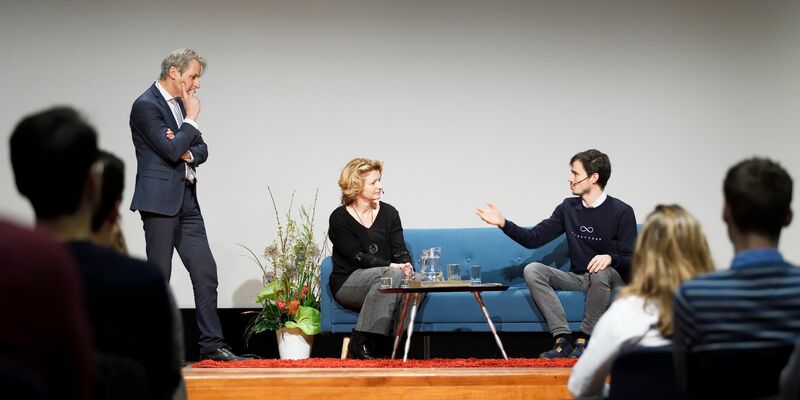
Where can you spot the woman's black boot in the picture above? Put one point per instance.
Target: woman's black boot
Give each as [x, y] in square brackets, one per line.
[361, 346]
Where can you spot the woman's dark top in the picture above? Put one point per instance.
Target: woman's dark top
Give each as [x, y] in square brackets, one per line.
[355, 246]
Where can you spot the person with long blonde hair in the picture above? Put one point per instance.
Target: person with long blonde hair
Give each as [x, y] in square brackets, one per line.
[670, 249]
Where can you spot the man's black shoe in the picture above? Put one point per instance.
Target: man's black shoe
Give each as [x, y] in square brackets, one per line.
[360, 347]
[222, 354]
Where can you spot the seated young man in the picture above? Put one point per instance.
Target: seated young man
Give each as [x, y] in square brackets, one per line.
[601, 232]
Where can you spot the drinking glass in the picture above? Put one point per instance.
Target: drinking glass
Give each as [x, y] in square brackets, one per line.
[454, 272]
[475, 274]
[386, 282]
[386, 279]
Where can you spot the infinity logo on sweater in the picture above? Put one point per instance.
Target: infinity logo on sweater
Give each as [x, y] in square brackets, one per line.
[587, 229]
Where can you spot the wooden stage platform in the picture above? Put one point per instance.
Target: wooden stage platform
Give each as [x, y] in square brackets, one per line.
[376, 383]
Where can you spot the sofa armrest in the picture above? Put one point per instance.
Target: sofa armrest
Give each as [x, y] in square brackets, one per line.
[326, 296]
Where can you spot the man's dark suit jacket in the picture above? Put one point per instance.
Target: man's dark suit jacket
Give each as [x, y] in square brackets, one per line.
[160, 171]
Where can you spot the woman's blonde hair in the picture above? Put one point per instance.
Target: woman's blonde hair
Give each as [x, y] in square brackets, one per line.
[670, 248]
[351, 181]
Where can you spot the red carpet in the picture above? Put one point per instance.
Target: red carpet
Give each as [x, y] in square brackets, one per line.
[384, 363]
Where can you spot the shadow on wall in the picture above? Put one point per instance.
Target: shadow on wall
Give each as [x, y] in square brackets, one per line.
[246, 293]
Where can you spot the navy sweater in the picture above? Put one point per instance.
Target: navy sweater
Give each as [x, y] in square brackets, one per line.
[608, 229]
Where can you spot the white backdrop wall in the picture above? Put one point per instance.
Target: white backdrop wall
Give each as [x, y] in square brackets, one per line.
[465, 101]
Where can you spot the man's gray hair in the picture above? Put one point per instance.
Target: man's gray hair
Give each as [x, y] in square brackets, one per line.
[180, 59]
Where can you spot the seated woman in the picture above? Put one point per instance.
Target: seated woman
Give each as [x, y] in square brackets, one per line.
[368, 244]
[670, 249]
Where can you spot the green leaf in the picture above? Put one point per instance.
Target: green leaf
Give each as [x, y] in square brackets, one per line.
[308, 327]
[290, 324]
[270, 291]
[308, 320]
[307, 313]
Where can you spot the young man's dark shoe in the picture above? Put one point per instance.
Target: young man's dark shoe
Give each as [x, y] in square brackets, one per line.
[579, 347]
[562, 349]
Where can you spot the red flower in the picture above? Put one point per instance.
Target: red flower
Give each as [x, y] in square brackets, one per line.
[303, 294]
[281, 305]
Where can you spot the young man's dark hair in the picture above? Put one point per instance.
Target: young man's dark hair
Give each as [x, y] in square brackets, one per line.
[758, 192]
[51, 153]
[111, 189]
[595, 162]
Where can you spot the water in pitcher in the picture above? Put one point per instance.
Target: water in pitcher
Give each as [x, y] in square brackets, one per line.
[424, 266]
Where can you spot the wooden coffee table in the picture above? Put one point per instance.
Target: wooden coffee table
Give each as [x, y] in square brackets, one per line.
[415, 292]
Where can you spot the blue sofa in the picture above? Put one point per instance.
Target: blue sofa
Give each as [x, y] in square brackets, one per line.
[501, 260]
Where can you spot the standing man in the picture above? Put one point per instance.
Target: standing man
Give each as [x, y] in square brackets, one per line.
[601, 232]
[169, 148]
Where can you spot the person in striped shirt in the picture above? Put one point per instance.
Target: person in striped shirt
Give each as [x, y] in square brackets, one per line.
[755, 305]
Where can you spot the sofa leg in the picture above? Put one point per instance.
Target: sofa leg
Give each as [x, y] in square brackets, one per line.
[345, 342]
[426, 347]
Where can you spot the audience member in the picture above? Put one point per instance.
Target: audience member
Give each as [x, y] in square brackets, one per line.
[106, 231]
[671, 248]
[126, 299]
[45, 343]
[750, 309]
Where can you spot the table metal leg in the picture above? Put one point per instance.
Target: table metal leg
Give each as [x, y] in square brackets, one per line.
[399, 329]
[411, 325]
[488, 320]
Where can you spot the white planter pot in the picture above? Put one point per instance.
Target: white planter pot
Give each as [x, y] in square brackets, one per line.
[293, 344]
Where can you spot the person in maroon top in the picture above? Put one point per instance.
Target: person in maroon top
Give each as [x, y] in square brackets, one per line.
[45, 343]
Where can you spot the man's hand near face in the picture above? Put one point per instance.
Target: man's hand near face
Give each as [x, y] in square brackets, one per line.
[190, 102]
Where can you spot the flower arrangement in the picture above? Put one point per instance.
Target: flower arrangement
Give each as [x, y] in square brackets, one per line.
[290, 297]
